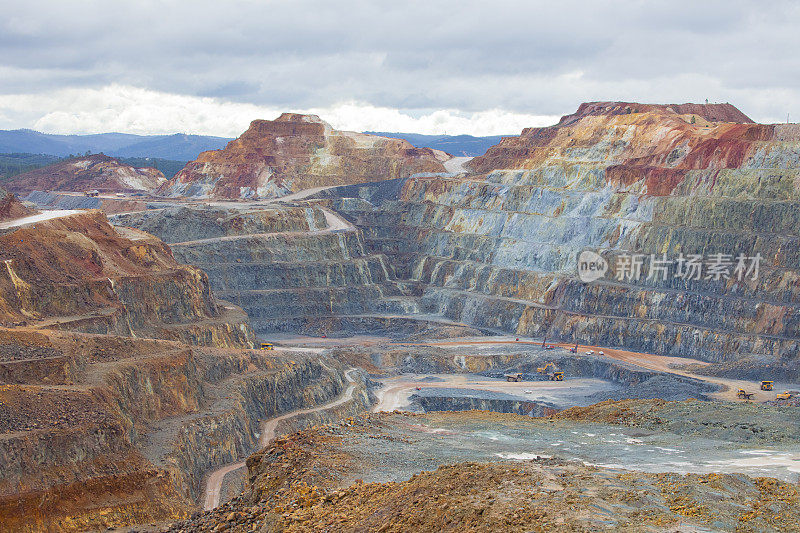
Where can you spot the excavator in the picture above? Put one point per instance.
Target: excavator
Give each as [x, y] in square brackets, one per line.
[554, 375]
[543, 369]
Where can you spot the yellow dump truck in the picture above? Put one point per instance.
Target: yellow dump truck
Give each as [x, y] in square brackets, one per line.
[766, 385]
[516, 376]
[557, 376]
[267, 346]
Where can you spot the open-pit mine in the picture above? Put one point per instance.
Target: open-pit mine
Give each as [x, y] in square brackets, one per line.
[319, 330]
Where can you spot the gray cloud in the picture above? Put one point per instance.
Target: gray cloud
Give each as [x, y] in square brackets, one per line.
[540, 58]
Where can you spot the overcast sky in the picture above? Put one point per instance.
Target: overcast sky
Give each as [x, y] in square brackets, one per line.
[431, 66]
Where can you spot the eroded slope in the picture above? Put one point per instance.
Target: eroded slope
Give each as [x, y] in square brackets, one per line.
[78, 272]
[10, 206]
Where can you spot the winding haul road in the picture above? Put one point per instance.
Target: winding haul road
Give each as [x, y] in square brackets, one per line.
[335, 223]
[40, 217]
[268, 427]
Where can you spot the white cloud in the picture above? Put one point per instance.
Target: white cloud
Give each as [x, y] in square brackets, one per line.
[124, 109]
[488, 66]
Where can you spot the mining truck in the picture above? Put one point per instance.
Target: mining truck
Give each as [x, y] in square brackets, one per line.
[742, 395]
[516, 376]
[266, 346]
[557, 376]
[766, 385]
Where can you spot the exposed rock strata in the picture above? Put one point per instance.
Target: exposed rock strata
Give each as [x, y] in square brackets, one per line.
[99, 431]
[285, 266]
[498, 249]
[294, 152]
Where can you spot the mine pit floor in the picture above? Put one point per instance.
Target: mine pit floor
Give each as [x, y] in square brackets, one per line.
[424, 442]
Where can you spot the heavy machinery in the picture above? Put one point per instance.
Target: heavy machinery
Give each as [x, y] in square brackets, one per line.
[267, 346]
[785, 395]
[554, 375]
[516, 376]
[742, 395]
[543, 369]
[766, 385]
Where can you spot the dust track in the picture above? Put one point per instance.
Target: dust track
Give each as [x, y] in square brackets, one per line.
[268, 427]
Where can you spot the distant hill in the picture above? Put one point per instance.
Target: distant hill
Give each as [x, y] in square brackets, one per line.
[182, 147]
[19, 163]
[177, 147]
[457, 145]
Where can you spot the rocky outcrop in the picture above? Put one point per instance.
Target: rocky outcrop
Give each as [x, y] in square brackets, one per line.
[498, 249]
[94, 172]
[294, 152]
[77, 272]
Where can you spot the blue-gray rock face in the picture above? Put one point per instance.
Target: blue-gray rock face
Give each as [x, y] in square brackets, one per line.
[499, 248]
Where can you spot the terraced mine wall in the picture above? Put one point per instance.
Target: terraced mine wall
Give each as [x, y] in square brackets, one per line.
[135, 424]
[499, 250]
[284, 266]
[78, 273]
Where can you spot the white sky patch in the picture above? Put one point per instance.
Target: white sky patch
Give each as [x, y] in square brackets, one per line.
[126, 109]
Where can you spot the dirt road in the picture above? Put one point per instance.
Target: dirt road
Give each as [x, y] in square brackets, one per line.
[41, 217]
[334, 221]
[214, 482]
[456, 165]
